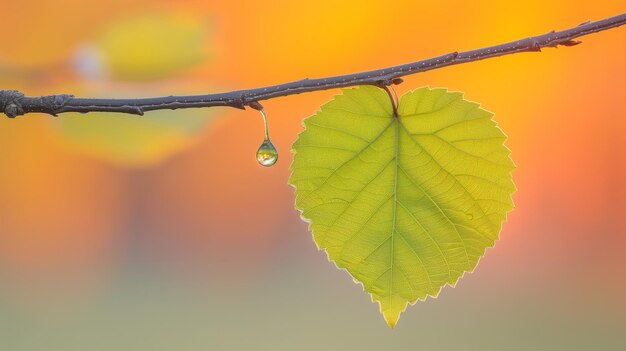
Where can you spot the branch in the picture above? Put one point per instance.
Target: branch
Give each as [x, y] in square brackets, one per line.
[13, 103]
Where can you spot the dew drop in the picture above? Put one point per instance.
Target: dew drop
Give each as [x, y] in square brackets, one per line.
[267, 155]
[469, 216]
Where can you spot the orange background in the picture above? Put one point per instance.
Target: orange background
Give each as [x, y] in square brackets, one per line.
[204, 249]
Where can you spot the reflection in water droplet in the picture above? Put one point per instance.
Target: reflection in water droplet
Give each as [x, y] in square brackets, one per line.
[267, 155]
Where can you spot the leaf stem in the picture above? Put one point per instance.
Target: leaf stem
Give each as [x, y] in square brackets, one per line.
[393, 96]
[13, 103]
[267, 132]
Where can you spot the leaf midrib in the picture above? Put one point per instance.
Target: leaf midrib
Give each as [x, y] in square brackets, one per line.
[395, 204]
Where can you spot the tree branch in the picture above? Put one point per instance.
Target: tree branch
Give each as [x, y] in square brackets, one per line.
[14, 103]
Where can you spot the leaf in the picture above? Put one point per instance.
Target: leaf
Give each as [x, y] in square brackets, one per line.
[406, 205]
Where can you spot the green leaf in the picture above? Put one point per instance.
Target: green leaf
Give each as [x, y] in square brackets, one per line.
[406, 205]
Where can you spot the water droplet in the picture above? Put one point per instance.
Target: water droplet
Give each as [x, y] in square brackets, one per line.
[469, 216]
[267, 155]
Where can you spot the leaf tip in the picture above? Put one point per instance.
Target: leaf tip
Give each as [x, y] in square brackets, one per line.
[391, 317]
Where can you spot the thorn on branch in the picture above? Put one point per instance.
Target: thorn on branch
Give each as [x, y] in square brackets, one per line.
[570, 42]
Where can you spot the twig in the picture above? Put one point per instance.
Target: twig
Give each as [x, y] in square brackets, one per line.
[14, 103]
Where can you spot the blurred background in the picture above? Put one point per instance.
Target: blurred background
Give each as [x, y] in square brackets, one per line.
[163, 233]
